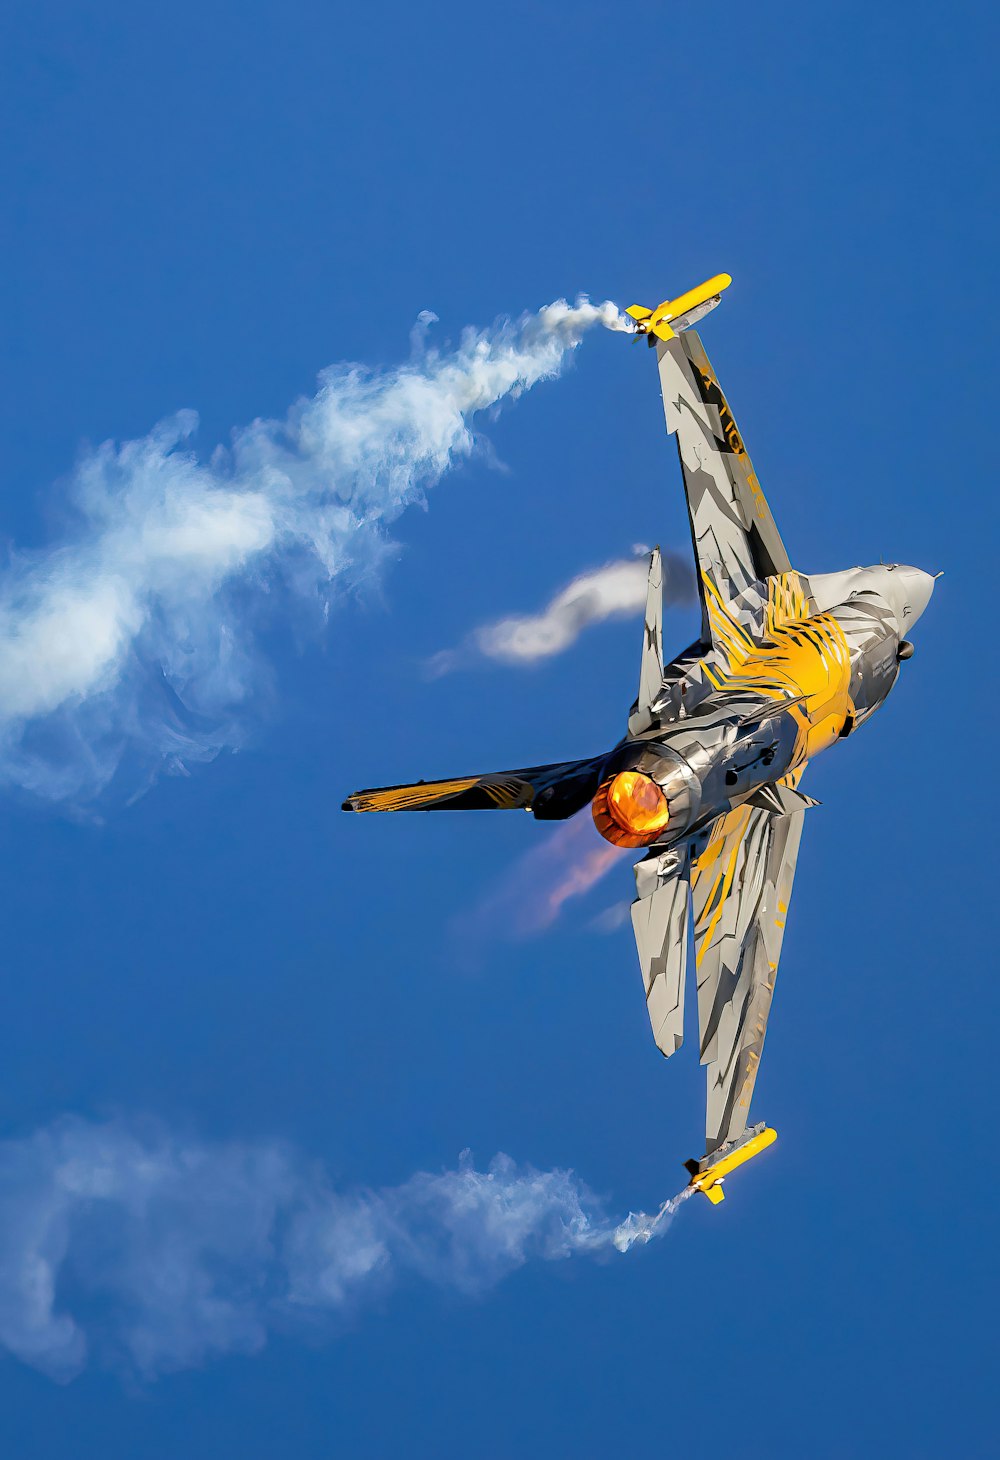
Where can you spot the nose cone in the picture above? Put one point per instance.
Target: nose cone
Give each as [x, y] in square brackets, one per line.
[913, 589]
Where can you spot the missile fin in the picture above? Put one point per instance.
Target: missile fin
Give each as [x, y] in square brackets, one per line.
[706, 1177]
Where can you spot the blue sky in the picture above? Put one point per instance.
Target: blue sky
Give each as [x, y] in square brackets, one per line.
[227, 1007]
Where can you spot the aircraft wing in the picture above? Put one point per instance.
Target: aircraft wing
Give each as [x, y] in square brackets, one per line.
[741, 882]
[735, 539]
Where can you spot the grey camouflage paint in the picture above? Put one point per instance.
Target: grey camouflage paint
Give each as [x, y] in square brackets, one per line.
[786, 664]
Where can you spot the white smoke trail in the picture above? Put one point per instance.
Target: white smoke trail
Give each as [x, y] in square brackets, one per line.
[134, 636]
[641, 1227]
[617, 590]
[132, 1248]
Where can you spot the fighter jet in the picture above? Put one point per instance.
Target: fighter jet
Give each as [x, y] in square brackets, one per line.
[706, 781]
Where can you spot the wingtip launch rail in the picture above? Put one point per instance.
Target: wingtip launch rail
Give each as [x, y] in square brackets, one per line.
[707, 1176]
[674, 316]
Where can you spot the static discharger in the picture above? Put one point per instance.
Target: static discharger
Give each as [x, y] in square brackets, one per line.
[708, 1179]
[674, 316]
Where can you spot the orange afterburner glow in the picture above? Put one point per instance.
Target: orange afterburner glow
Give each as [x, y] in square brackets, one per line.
[630, 809]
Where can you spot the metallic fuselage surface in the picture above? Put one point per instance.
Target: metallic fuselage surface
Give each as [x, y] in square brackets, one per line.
[705, 783]
[757, 709]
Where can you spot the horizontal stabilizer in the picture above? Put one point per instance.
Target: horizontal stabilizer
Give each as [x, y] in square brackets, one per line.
[551, 792]
[660, 918]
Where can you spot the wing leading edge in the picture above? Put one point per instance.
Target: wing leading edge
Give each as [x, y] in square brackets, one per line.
[742, 871]
[736, 886]
[736, 542]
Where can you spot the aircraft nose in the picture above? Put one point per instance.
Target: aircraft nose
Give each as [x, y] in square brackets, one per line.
[917, 587]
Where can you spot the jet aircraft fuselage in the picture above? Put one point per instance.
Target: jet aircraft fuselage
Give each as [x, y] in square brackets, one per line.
[705, 781]
[769, 697]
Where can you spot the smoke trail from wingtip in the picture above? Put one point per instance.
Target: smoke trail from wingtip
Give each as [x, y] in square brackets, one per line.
[134, 637]
[641, 1227]
[138, 1249]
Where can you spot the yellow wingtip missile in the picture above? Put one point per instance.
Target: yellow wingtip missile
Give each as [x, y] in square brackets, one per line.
[674, 315]
[708, 1180]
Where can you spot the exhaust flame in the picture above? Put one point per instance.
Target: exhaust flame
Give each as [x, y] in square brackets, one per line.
[630, 809]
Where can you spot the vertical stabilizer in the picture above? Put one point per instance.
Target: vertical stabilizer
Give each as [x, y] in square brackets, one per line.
[651, 671]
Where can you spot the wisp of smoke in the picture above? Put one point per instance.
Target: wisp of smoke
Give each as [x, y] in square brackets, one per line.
[641, 1227]
[139, 1250]
[134, 635]
[611, 919]
[567, 862]
[617, 590]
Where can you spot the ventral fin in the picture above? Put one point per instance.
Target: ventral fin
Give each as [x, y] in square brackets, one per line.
[651, 667]
[782, 800]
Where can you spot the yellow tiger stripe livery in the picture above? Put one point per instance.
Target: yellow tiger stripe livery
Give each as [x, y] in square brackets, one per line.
[805, 657]
[410, 798]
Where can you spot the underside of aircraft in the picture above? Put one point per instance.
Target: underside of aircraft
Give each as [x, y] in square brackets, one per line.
[706, 780]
